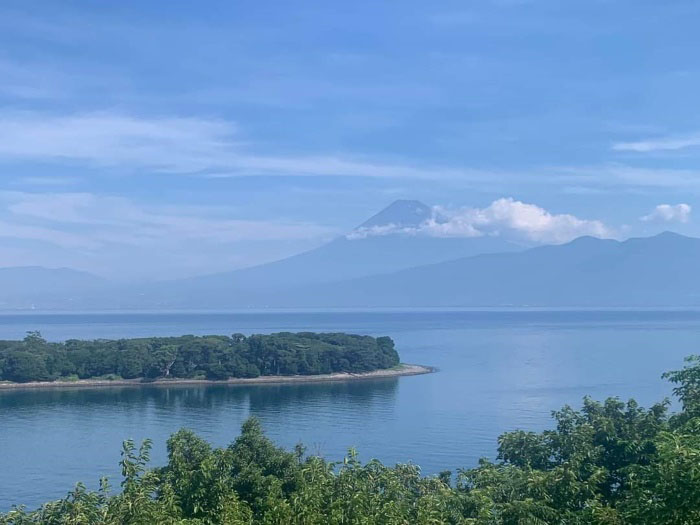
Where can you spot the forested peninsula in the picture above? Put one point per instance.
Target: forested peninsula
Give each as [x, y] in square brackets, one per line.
[610, 463]
[192, 358]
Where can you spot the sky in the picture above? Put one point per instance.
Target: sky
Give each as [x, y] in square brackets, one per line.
[143, 140]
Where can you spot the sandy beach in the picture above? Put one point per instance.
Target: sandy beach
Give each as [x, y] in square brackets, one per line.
[401, 370]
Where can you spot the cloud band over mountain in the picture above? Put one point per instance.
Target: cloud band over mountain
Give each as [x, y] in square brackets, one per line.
[504, 217]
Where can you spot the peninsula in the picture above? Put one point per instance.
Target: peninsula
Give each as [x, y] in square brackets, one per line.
[274, 358]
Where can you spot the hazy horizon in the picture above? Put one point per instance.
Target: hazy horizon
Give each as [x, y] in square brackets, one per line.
[521, 238]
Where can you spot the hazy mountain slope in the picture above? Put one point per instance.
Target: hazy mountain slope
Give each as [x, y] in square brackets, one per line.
[348, 256]
[660, 270]
[344, 259]
[654, 271]
[400, 213]
[23, 286]
[361, 253]
[384, 243]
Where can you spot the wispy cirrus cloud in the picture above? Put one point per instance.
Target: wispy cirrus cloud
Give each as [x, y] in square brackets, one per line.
[48, 235]
[125, 238]
[111, 140]
[659, 144]
[100, 220]
[616, 175]
[216, 148]
[184, 145]
[55, 180]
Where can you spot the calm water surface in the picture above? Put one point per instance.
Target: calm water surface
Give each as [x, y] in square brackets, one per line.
[499, 370]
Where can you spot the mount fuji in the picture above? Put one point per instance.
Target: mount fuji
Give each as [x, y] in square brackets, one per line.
[387, 242]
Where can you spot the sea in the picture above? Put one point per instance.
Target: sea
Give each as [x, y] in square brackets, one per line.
[497, 370]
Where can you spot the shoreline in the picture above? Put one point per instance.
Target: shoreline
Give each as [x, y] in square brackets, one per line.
[404, 369]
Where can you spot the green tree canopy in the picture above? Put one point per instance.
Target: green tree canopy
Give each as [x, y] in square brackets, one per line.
[215, 357]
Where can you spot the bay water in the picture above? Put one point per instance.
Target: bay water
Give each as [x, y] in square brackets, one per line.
[498, 370]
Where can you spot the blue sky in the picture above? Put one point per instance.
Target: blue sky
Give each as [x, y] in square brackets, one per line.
[160, 139]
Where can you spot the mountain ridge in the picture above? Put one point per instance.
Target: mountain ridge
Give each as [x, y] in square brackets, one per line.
[401, 213]
[401, 270]
[601, 272]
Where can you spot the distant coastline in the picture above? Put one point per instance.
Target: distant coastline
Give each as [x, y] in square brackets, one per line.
[404, 369]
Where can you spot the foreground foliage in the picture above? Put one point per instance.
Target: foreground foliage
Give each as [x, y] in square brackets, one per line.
[609, 463]
[212, 357]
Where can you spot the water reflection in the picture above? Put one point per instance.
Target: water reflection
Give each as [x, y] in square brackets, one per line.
[362, 394]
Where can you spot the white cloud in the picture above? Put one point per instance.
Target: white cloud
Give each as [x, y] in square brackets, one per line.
[504, 217]
[669, 213]
[660, 144]
[378, 231]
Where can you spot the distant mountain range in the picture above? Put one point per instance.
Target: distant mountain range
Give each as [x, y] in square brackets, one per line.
[386, 262]
[653, 271]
